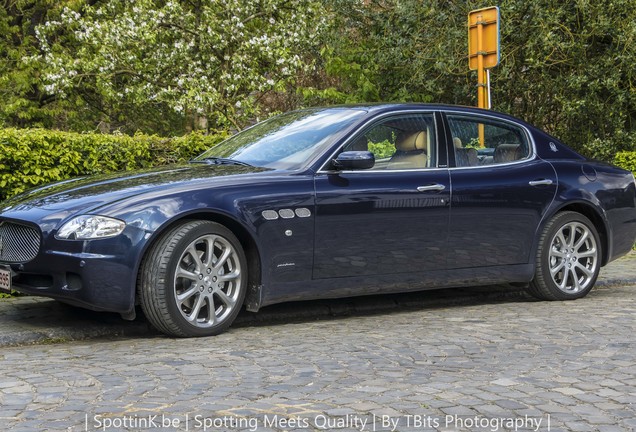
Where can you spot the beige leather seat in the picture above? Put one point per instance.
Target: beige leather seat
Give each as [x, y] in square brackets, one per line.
[464, 156]
[507, 153]
[411, 151]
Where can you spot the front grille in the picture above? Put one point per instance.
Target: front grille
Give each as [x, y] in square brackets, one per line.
[18, 243]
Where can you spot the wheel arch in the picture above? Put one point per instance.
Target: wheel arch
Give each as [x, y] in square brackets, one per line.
[596, 217]
[250, 247]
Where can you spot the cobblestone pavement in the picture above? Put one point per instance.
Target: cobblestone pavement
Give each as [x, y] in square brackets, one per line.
[486, 364]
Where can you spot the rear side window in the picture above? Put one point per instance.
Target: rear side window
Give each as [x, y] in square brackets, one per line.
[478, 141]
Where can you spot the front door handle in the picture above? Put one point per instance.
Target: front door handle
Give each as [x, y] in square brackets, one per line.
[542, 182]
[436, 187]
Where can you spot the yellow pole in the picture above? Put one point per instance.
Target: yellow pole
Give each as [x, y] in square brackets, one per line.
[486, 90]
[481, 86]
[480, 64]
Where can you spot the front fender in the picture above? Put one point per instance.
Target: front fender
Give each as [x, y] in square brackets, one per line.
[283, 247]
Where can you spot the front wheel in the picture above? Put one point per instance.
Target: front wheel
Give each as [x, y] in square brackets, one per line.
[568, 258]
[193, 280]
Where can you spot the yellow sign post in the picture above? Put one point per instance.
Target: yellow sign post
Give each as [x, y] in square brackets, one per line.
[483, 46]
[483, 52]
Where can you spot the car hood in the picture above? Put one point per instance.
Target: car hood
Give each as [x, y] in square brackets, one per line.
[89, 193]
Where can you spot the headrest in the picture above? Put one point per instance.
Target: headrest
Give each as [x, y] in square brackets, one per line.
[457, 142]
[507, 153]
[412, 141]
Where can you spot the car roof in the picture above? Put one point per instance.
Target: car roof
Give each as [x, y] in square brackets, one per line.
[384, 107]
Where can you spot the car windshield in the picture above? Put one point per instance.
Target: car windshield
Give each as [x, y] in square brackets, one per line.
[286, 141]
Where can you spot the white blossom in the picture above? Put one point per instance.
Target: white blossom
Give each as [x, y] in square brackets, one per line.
[158, 57]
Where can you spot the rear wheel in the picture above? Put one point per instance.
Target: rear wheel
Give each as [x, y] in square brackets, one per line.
[193, 280]
[568, 258]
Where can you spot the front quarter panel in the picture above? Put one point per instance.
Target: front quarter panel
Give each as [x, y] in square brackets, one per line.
[284, 244]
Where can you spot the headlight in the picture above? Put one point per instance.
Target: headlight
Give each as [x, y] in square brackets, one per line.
[87, 227]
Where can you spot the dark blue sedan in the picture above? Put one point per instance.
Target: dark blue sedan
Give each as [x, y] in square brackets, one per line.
[325, 203]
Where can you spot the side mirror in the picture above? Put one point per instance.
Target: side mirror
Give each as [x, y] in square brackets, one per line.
[354, 160]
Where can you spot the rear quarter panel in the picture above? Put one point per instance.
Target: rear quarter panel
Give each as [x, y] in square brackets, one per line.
[609, 191]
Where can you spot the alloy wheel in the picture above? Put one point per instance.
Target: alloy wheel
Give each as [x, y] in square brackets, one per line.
[207, 281]
[573, 257]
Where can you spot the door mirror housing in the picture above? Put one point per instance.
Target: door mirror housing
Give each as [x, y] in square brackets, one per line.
[354, 160]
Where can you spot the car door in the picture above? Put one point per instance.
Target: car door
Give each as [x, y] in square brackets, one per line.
[501, 191]
[392, 218]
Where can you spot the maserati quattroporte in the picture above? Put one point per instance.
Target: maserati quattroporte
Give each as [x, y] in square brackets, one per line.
[325, 203]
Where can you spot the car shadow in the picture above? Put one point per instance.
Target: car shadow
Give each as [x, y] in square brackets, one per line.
[382, 304]
[45, 320]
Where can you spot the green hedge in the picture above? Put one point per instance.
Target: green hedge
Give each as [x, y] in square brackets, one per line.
[32, 157]
[626, 160]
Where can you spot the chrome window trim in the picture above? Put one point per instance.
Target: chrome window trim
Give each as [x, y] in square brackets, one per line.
[432, 112]
[368, 171]
[532, 145]
[493, 165]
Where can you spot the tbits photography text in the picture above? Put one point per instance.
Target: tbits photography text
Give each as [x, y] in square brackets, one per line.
[362, 423]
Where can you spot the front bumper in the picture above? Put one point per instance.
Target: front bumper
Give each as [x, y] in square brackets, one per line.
[95, 274]
[96, 283]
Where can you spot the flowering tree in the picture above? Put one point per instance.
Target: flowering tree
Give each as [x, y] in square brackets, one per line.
[207, 58]
[23, 102]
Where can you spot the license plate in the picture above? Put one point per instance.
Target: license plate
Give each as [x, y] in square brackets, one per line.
[5, 279]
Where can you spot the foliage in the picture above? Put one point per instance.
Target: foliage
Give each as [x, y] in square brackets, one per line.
[13, 293]
[32, 157]
[210, 58]
[23, 102]
[566, 67]
[382, 149]
[392, 50]
[168, 66]
[572, 71]
[606, 149]
[626, 160]
[26, 101]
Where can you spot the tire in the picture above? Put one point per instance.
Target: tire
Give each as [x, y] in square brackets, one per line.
[568, 258]
[193, 280]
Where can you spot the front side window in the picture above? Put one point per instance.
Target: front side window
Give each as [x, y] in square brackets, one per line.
[400, 142]
[479, 141]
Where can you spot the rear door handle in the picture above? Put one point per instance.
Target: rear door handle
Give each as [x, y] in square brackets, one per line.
[542, 182]
[431, 188]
